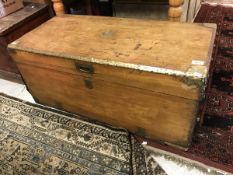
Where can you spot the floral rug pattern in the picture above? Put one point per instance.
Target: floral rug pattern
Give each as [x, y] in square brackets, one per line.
[40, 140]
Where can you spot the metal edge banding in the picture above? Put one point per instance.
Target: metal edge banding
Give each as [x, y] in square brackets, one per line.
[207, 80]
[189, 77]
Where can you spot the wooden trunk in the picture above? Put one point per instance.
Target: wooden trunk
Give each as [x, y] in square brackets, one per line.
[144, 75]
[14, 26]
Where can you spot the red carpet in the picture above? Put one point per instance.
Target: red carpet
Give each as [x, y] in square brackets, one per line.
[213, 142]
[220, 94]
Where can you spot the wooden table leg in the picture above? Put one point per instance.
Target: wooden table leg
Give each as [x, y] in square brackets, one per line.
[58, 7]
[175, 9]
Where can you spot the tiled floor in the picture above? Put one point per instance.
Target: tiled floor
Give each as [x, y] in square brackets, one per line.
[15, 90]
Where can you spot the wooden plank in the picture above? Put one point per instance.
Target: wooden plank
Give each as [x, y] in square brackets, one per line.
[39, 1]
[14, 26]
[12, 77]
[6, 63]
[151, 43]
[154, 115]
[165, 84]
[12, 21]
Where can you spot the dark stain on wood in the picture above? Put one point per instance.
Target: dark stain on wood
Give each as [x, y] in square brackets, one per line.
[137, 46]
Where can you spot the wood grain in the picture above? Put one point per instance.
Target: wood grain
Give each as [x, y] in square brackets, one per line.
[142, 42]
[160, 83]
[77, 64]
[58, 7]
[163, 117]
[13, 27]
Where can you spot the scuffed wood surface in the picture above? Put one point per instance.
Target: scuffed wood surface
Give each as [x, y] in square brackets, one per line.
[13, 27]
[105, 68]
[122, 42]
[155, 115]
[13, 20]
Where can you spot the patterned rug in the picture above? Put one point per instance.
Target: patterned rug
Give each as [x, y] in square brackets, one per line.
[219, 111]
[213, 142]
[181, 165]
[36, 140]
